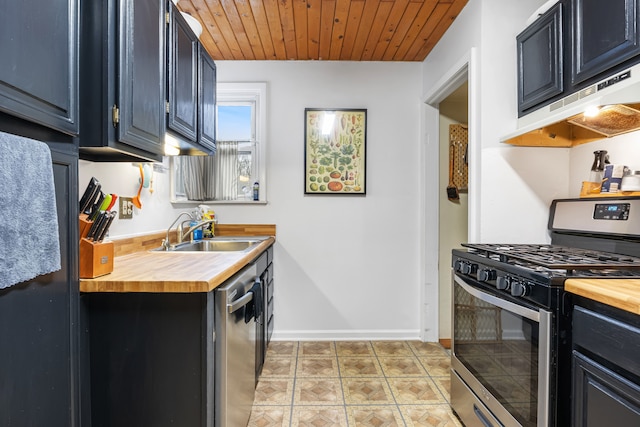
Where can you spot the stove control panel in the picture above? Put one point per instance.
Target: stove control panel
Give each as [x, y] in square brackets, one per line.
[504, 281]
[612, 211]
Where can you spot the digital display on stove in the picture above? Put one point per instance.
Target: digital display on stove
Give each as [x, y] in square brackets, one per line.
[612, 211]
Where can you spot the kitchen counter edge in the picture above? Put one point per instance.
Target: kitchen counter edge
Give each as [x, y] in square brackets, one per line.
[162, 272]
[620, 293]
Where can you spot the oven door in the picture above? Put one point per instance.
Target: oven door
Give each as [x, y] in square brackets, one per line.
[500, 359]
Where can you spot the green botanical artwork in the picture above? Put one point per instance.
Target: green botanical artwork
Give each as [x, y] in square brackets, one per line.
[335, 148]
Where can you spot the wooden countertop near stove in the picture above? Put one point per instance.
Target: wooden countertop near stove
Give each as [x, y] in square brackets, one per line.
[136, 269]
[620, 293]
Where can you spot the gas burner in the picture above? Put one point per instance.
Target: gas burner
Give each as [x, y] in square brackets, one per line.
[554, 257]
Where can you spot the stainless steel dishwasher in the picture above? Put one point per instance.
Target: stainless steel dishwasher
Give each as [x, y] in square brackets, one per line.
[235, 349]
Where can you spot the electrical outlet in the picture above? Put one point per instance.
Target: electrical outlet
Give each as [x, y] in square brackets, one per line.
[126, 208]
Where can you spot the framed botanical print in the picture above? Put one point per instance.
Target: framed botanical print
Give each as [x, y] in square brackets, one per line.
[335, 151]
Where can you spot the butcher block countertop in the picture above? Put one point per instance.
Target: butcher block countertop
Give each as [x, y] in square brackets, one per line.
[620, 293]
[137, 269]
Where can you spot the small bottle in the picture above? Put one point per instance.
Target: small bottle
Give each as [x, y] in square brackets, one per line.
[197, 233]
[256, 191]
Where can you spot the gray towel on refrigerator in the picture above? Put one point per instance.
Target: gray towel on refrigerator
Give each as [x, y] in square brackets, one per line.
[29, 240]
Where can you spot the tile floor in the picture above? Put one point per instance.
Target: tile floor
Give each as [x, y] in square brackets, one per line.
[354, 383]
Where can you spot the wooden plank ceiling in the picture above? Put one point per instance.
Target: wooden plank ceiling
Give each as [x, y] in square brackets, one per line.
[336, 30]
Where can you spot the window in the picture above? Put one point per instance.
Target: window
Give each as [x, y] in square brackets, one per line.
[228, 176]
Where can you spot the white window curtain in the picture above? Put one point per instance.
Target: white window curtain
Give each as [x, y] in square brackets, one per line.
[226, 170]
[211, 177]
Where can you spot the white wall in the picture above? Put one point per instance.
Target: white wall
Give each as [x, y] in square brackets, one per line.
[345, 267]
[512, 187]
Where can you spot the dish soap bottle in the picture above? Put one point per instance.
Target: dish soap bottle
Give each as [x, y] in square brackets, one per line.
[256, 191]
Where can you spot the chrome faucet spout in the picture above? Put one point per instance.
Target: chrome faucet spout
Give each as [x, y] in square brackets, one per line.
[166, 243]
[198, 225]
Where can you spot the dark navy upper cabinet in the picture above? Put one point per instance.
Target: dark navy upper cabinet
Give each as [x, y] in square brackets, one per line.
[183, 77]
[605, 34]
[207, 101]
[39, 67]
[540, 60]
[123, 80]
[574, 44]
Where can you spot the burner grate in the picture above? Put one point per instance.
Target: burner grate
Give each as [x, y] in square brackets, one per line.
[556, 256]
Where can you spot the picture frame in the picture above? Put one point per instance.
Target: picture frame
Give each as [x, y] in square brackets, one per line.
[335, 148]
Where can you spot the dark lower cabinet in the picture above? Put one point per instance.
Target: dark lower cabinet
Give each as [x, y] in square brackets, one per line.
[41, 379]
[264, 323]
[152, 359]
[606, 368]
[39, 67]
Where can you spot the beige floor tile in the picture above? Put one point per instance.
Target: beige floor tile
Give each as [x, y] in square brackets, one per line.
[317, 367]
[282, 349]
[354, 348]
[427, 349]
[366, 391]
[324, 391]
[270, 416]
[284, 367]
[374, 416]
[359, 367]
[274, 391]
[317, 348]
[391, 348]
[436, 366]
[444, 385]
[415, 391]
[429, 416]
[319, 416]
[401, 367]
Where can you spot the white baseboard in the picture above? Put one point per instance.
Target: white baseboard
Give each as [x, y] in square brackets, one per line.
[348, 335]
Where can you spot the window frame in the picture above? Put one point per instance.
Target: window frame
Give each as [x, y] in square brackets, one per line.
[253, 92]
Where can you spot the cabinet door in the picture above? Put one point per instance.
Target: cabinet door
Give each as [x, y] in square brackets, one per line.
[207, 101]
[39, 67]
[605, 34]
[183, 77]
[142, 74]
[39, 362]
[540, 62]
[602, 397]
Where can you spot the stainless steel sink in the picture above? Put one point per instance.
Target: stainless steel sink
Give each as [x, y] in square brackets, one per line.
[217, 244]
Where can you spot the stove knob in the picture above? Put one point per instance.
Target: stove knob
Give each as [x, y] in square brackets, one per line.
[459, 265]
[503, 283]
[519, 289]
[469, 268]
[486, 274]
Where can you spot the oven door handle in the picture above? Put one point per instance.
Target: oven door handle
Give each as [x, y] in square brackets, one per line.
[498, 302]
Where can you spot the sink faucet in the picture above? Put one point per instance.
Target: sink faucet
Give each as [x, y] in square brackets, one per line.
[200, 224]
[166, 243]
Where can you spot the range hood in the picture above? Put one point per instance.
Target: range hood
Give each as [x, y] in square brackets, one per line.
[608, 108]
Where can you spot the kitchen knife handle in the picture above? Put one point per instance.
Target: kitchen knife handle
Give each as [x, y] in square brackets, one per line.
[107, 223]
[93, 232]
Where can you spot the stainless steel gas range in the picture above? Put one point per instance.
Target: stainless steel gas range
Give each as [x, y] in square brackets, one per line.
[511, 356]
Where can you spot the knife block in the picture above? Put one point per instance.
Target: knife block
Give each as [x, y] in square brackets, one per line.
[96, 258]
[84, 225]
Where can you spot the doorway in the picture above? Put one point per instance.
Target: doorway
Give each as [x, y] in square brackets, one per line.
[453, 201]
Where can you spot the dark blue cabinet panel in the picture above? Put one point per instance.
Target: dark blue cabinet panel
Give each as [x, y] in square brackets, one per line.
[540, 60]
[39, 67]
[605, 34]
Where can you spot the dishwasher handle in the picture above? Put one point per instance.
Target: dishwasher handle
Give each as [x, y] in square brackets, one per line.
[240, 302]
